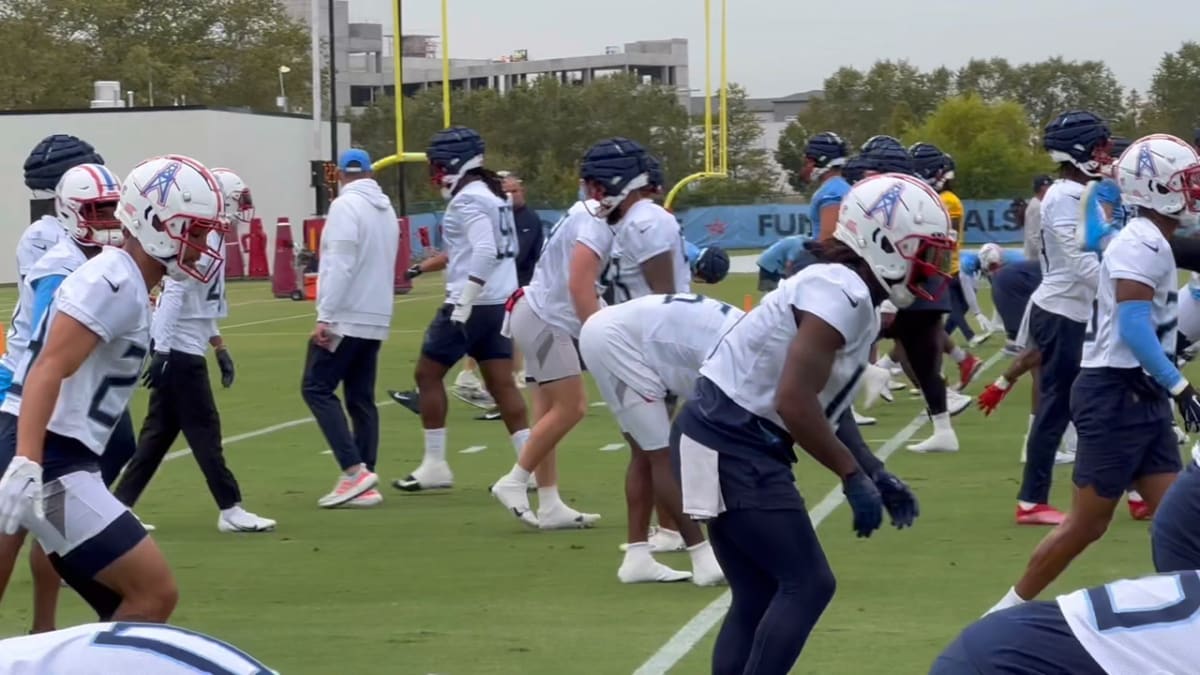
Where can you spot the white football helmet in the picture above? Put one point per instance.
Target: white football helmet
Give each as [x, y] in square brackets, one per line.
[86, 202]
[897, 224]
[170, 204]
[239, 206]
[990, 256]
[1161, 173]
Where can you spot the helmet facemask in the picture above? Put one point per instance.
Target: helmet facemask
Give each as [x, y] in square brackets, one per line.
[446, 182]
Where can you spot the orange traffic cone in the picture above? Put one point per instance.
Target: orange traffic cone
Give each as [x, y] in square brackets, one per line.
[748, 302]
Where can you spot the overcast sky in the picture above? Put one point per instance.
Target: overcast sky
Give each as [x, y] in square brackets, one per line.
[777, 47]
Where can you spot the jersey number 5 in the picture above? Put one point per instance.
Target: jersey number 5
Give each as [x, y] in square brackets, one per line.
[1109, 618]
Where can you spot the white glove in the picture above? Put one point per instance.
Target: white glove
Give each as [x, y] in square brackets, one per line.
[985, 324]
[20, 494]
[460, 314]
[466, 300]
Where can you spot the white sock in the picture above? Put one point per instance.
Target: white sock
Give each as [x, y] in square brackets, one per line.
[234, 510]
[958, 354]
[698, 549]
[941, 422]
[1025, 505]
[1135, 497]
[435, 445]
[1011, 599]
[885, 361]
[548, 498]
[519, 475]
[636, 550]
[519, 439]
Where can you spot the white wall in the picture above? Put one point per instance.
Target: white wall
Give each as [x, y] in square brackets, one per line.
[270, 152]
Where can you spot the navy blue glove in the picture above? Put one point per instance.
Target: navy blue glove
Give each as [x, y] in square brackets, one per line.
[864, 501]
[156, 371]
[898, 499]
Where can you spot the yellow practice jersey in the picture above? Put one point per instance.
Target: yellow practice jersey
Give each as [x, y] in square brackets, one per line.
[954, 207]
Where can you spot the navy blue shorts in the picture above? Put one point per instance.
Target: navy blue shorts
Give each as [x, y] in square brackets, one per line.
[1029, 639]
[447, 344]
[1011, 310]
[755, 456]
[1124, 424]
[768, 281]
[8, 438]
[1174, 535]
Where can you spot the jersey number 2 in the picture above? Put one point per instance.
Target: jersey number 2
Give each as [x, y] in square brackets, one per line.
[95, 412]
[1109, 618]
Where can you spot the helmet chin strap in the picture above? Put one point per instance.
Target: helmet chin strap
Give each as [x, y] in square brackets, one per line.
[450, 181]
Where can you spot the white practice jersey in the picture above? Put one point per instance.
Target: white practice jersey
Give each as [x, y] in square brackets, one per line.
[672, 333]
[124, 649]
[1146, 626]
[61, 260]
[747, 361]
[186, 315]
[548, 292]
[646, 231]
[478, 221]
[1139, 252]
[35, 242]
[1069, 274]
[107, 294]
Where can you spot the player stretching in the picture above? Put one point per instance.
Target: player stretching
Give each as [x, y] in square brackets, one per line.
[824, 156]
[783, 375]
[1120, 400]
[640, 353]
[76, 380]
[1145, 625]
[181, 399]
[544, 320]
[114, 648]
[86, 204]
[481, 273]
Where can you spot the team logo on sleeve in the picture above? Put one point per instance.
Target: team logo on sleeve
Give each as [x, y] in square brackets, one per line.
[1145, 164]
[886, 205]
[162, 181]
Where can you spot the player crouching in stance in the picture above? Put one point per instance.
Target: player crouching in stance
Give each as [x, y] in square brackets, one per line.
[76, 380]
[640, 353]
[1121, 400]
[784, 375]
[1145, 625]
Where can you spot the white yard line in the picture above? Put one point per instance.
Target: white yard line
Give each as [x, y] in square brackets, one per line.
[312, 314]
[686, 638]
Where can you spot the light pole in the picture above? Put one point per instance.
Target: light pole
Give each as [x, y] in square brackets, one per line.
[282, 101]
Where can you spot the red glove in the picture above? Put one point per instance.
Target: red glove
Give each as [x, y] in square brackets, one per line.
[994, 394]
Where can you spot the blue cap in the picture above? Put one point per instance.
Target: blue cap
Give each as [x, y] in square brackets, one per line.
[354, 160]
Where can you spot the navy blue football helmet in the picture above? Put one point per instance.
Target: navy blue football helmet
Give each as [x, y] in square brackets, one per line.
[451, 154]
[52, 157]
[711, 266]
[1080, 138]
[853, 169]
[929, 163]
[1119, 145]
[654, 174]
[827, 151]
[612, 169]
[884, 154]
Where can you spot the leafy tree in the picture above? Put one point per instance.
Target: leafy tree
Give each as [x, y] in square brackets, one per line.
[1174, 94]
[220, 52]
[990, 142]
[751, 175]
[882, 100]
[790, 153]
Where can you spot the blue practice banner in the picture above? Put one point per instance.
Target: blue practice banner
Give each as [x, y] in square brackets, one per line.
[759, 225]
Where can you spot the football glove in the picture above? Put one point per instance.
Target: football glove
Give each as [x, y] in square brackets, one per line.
[225, 363]
[898, 499]
[20, 494]
[995, 392]
[865, 502]
[156, 373]
[413, 272]
[1189, 409]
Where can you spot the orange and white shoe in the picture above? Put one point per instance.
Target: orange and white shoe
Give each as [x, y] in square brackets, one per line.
[1040, 514]
[348, 487]
[968, 370]
[366, 500]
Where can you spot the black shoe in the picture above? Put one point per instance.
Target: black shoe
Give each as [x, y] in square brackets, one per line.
[408, 399]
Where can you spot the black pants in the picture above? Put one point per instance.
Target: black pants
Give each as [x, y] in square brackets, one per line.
[1060, 341]
[353, 365]
[183, 402]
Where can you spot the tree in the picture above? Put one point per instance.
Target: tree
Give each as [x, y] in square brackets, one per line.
[789, 154]
[1175, 92]
[990, 142]
[221, 52]
[1051, 87]
[750, 173]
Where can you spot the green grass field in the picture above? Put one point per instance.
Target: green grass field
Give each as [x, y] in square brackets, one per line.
[452, 584]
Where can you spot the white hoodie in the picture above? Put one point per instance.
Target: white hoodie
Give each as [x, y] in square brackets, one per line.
[357, 273]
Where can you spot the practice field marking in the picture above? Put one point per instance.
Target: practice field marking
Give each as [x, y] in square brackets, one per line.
[313, 314]
[599, 404]
[612, 447]
[472, 450]
[686, 638]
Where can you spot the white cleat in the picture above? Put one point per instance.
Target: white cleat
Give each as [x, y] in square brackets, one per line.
[956, 402]
[662, 540]
[895, 385]
[1064, 457]
[366, 500]
[863, 420]
[875, 386]
[706, 571]
[1180, 435]
[513, 496]
[347, 488]
[565, 518]
[944, 440]
[428, 476]
[475, 396]
[145, 526]
[644, 569]
[238, 519]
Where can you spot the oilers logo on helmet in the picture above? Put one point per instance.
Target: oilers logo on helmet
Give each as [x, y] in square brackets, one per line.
[1145, 163]
[162, 182]
[886, 204]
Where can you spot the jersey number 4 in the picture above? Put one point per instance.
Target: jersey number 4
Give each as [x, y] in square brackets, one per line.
[506, 243]
[1109, 618]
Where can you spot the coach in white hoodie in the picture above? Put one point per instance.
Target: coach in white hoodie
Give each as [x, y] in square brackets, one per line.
[354, 315]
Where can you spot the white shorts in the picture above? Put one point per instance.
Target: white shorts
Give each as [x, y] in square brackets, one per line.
[550, 352]
[84, 523]
[1189, 314]
[1022, 340]
[634, 392]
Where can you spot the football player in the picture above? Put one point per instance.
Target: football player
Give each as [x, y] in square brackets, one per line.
[544, 320]
[85, 208]
[112, 648]
[776, 261]
[640, 353]
[481, 273]
[77, 378]
[783, 375]
[184, 327]
[1145, 625]
[1121, 401]
[824, 156]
